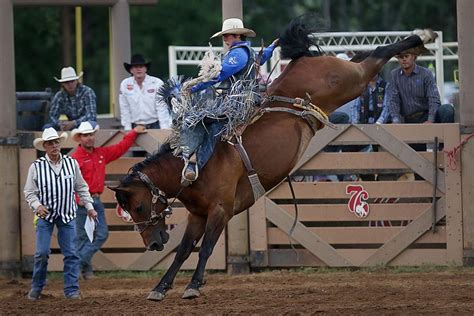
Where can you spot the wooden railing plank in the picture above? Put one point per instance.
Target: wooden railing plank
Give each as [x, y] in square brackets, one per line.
[404, 153]
[406, 237]
[356, 235]
[337, 190]
[310, 241]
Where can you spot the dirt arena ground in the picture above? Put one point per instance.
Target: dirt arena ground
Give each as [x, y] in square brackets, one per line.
[437, 291]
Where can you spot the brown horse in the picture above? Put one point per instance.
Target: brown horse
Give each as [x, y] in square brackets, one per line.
[274, 143]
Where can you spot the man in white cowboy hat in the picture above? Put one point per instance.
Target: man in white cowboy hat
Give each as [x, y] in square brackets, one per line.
[92, 161]
[49, 190]
[75, 100]
[236, 64]
[137, 99]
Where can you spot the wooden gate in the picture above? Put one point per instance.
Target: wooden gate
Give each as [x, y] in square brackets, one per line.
[124, 249]
[395, 233]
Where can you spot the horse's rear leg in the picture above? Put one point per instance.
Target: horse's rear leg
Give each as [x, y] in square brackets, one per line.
[194, 232]
[216, 222]
[386, 52]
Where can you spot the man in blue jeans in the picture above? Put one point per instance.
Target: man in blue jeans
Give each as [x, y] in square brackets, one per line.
[92, 161]
[49, 191]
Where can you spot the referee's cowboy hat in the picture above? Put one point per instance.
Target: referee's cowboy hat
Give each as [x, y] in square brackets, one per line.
[48, 134]
[234, 26]
[136, 60]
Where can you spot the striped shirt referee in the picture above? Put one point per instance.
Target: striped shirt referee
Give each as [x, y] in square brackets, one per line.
[53, 185]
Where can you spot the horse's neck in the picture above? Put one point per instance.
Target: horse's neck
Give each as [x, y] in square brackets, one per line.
[165, 174]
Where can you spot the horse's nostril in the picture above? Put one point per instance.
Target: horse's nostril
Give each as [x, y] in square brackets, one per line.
[165, 237]
[155, 246]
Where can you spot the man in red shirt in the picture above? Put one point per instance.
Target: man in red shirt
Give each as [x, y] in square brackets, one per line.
[92, 161]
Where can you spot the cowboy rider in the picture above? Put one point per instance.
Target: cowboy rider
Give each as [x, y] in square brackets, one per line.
[236, 63]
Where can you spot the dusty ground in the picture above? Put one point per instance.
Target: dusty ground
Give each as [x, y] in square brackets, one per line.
[449, 291]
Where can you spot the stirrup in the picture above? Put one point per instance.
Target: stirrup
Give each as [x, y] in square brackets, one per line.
[189, 173]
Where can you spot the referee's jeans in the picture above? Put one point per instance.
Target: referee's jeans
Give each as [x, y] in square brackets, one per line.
[67, 244]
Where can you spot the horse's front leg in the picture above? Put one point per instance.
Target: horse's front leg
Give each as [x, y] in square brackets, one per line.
[194, 231]
[216, 222]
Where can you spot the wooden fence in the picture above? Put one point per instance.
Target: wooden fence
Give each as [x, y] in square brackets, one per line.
[327, 234]
[397, 230]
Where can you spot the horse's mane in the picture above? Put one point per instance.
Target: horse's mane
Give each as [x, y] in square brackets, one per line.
[296, 40]
[164, 150]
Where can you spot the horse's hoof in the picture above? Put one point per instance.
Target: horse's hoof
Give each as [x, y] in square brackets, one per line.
[426, 35]
[155, 296]
[191, 293]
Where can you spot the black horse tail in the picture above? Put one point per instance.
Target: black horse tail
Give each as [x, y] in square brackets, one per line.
[297, 37]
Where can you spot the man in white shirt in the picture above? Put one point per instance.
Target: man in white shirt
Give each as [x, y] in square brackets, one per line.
[138, 104]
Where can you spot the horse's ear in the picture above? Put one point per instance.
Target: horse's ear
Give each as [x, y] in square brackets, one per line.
[119, 189]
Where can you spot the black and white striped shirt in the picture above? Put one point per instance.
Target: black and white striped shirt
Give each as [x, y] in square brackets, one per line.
[414, 93]
[53, 186]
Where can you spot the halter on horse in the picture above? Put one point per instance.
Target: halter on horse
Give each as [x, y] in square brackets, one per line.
[274, 143]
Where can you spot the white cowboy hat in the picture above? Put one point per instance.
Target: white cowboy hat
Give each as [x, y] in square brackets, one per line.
[84, 128]
[234, 26]
[68, 74]
[48, 134]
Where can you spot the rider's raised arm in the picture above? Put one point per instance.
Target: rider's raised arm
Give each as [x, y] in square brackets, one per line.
[233, 62]
[268, 52]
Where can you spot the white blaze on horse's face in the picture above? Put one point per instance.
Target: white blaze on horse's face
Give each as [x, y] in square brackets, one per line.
[137, 201]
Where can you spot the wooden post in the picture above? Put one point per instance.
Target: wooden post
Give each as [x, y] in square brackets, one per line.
[232, 9]
[238, 227]
[66, 36]
[120, 49]
[9, 188]
[465, 17]
[465, 9]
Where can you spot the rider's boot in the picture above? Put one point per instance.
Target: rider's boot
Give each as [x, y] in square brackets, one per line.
[190, 171]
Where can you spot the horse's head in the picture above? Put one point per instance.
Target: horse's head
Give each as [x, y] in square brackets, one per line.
[148, 207]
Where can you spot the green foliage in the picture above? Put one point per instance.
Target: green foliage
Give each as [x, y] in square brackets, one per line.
[37, 47]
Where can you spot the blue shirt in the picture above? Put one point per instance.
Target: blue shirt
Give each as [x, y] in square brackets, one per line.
[79, 107]
[233, 62]
[414, 93]
[355, 109]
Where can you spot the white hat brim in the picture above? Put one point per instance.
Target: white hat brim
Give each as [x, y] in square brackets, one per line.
[69, 78]
[38, 143]
[76, 133]
[239, 31]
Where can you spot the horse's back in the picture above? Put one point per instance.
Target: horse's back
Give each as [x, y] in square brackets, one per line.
[330, 81]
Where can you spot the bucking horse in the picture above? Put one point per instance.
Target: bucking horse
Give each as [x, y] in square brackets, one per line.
[274, 144]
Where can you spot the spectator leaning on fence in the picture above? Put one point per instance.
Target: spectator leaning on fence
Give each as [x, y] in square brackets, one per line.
[138, 104]
[49, 191]
[75, 100]
[414, 96]
[92, 161]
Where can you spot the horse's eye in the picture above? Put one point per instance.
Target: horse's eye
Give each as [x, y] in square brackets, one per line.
[139, 209]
